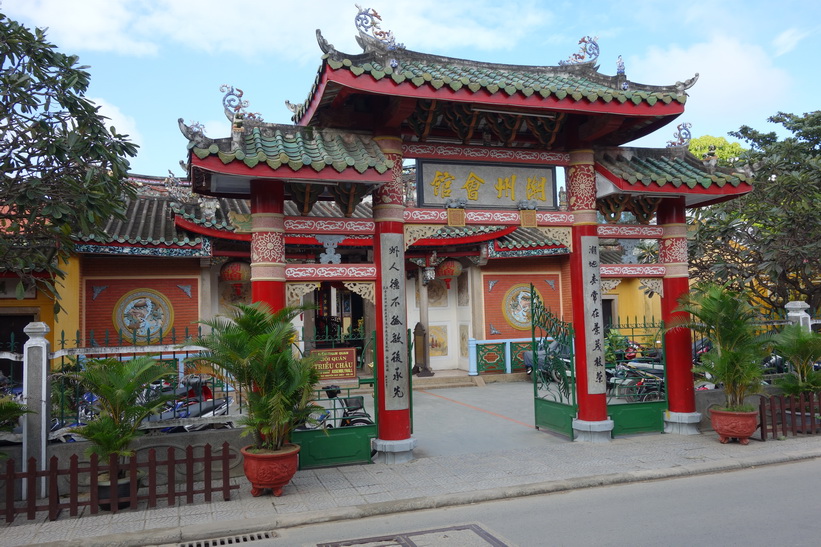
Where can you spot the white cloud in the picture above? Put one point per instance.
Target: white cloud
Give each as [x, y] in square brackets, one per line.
[123, 123]
[788, 41]
[737, 85]
[263, 28]
[85, 25]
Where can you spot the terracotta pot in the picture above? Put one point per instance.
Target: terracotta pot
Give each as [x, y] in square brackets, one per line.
[734, 425]
[271, 469]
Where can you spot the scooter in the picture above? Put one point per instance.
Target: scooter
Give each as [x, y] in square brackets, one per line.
[195, 399]
[338, 411]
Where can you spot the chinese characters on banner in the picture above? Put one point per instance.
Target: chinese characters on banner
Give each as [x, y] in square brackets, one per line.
[485, 186]
[593, 319]
[397, 385]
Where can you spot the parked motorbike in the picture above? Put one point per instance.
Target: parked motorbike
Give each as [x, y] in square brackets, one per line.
[195, 399]
[339, 411]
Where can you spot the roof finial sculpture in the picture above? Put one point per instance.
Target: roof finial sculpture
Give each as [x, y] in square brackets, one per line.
[620, 66]
[588, 46]
[682, 135]
[235, 111]
[370, 34]
[367, 22]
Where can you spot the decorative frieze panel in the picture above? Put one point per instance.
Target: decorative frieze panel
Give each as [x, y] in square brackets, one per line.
[625, 231]
[338, 273]
[300, 225]
[633, 270]
[477, 153]
[440, 216]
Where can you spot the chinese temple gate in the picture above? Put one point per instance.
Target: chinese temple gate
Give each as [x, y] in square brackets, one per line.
[487, 139]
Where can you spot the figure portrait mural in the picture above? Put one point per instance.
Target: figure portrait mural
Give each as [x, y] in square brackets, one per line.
[516, 306]
[462, 296]
[438, 340]
[437, 294]
[143, 313]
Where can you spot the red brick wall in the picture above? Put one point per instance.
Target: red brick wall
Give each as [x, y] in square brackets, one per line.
[168, 281]
[550, 278]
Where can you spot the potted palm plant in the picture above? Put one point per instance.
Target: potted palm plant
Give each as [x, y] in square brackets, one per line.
[728, 320]
[801, 349]
[120, 388]
[254, 348]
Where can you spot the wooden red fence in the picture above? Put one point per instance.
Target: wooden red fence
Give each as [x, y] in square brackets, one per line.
[782, 415]
[212, 467]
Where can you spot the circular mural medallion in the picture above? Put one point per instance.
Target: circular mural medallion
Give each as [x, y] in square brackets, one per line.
[143, 313]
[516, 306]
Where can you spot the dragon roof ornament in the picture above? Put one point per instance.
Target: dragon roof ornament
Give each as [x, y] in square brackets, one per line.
[588, 47]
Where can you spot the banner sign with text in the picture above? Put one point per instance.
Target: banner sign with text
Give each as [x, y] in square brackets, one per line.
[336, 363]
[485, 186]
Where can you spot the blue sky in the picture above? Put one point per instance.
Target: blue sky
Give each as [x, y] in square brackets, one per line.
[154, 61]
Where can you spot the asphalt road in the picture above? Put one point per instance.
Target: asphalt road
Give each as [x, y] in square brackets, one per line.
[772, 505]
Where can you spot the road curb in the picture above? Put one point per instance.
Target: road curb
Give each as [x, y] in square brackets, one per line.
[177, 535]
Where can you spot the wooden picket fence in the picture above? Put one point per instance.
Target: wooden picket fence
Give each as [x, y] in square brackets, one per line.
[213, 468]
[783, 415]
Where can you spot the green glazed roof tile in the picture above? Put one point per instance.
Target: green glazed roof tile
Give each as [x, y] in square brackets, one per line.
[577, 81]
[647, 167]
[279, 145]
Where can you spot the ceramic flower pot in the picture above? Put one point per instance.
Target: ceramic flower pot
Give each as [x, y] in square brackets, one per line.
[270, 469]
[734, 425]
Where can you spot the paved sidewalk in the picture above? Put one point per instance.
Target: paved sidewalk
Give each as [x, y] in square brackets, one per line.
[475, 444]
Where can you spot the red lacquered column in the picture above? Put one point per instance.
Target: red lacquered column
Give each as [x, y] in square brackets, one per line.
[268, 243]
[681, 416]
[394, 442]
[592, 423]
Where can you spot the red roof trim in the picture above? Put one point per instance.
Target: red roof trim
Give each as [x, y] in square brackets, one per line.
[215, 165]
[210, 232]
[478, 238]
[654, 188]
[387, 86]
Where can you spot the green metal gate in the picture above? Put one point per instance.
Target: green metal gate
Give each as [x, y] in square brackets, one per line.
[553, 372]
[637, 395]
[634, 357]
[340, 440]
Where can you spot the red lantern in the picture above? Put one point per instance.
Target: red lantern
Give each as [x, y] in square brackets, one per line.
[448, 270]
[236, 273]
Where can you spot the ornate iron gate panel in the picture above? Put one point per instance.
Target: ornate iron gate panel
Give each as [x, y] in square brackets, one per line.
[552, 367]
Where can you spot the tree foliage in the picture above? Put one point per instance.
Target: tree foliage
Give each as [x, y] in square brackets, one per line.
[62, 168]
[726, 152]
[769, 241]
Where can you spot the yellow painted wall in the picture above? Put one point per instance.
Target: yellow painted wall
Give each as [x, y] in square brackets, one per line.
[41, 306]
[68, 320]
[632, 303]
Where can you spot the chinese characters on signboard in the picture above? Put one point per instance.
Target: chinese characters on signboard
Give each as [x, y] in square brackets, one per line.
[485, 186]
[593, 319]
[397, 384]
